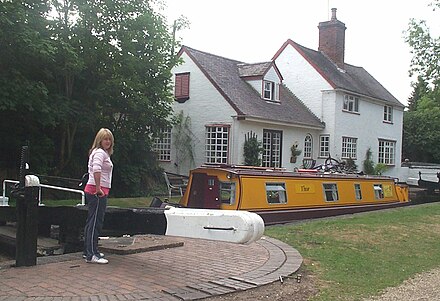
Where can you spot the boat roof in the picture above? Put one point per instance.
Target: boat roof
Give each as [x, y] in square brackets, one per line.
[255, 171]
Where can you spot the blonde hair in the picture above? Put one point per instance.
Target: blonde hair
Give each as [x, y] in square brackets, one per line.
[101, 135]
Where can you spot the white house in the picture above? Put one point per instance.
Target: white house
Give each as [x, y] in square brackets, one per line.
[309, 98]
[228, 100]
[359, 113]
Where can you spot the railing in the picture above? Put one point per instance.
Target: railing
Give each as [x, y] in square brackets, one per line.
[83, 202]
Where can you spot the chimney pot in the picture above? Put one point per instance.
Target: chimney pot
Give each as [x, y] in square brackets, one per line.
[334, 14]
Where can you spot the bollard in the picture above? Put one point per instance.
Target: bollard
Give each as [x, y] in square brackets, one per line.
[27, 214]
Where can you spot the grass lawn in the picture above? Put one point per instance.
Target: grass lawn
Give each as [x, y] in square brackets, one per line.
[358, 256]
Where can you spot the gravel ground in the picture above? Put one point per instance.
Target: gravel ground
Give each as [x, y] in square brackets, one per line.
[424, 286]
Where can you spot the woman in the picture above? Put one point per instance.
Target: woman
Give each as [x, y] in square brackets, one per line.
[98, 186]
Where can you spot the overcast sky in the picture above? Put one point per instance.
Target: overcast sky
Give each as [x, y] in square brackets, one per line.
[253, 30]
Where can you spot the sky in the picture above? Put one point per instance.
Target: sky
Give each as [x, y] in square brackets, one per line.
[254, 30]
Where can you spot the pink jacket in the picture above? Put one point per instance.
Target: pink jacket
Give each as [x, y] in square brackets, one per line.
[99, 161]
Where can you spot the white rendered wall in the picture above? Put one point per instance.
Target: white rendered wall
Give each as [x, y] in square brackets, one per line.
[368, 127]
[291, 134]
[329, 117]
[302, 79]
[205, 106]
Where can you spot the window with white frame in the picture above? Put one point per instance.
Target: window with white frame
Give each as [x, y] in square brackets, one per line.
[358, 191]
[162, 145]
[388, 114]
[272, 143]
[217, 144]
[268, 90]
[308, 146]
[349, 147]
[324, 146]
[330, 192]
[276, 193]
[227, 193]
[387, 152]
[378, 191]
[351, 103]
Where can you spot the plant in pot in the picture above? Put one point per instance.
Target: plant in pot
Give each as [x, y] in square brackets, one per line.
[252, 150]
[294, 152]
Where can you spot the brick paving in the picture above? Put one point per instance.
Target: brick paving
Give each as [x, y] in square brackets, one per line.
[198, 269]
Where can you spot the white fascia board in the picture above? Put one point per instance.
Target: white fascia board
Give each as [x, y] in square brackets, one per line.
[274, 122]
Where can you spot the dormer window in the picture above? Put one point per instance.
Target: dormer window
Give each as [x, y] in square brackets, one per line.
[270, 91]
[351, 104]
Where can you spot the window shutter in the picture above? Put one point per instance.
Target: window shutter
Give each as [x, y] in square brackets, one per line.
[278, 92]
[181, 88]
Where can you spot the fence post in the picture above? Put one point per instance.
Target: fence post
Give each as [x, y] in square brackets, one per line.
[27, 214]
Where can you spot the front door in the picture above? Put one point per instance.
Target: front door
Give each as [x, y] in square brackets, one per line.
[204, 192]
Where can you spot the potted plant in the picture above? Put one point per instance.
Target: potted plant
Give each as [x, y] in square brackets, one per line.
[252, 150]
[294, 152]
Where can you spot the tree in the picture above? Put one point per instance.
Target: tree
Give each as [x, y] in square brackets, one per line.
[370, 168]
[26, 55]
[420, 89]
[422, 121]
[91, 64]
[425, 49]
[421, 132]
[368, 163]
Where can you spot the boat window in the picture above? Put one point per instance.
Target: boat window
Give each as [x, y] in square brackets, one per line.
[331, 192]
[227, 192]
[357, 190]
[378, 191]
[276, 193]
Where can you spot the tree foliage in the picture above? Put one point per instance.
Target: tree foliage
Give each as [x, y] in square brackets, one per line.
[88, 64]
[369, 168]
[420, 89]
[421, 126]
[421, 131]
[424, 48]
[368, 164]
[26, 56]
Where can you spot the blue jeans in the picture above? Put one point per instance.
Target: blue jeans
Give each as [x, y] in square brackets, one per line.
[94, 223]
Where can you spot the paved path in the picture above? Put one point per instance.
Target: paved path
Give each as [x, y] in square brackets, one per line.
[198, 269]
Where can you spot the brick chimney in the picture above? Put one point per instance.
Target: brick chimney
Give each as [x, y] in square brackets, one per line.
[332, 39]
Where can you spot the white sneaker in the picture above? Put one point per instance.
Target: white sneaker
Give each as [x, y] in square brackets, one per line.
[101, 255]
[96, 259]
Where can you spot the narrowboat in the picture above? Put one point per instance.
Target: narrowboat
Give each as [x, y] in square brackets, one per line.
[281, 196]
